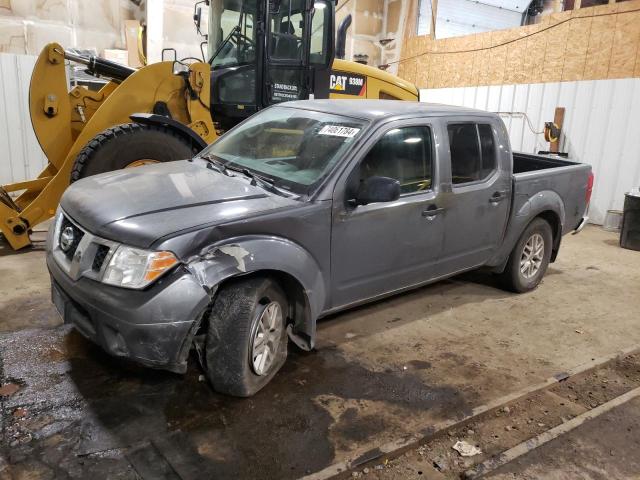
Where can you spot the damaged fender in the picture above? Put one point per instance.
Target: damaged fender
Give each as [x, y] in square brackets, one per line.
[245, 255]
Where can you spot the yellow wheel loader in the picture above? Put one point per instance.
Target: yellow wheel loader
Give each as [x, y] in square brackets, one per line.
[259, 53]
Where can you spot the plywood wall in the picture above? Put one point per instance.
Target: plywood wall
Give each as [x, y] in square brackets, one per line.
[593, 43]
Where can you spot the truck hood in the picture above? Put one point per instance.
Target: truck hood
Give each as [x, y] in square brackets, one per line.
[141, 205]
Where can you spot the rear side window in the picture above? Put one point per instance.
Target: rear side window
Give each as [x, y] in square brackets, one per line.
[473, 152]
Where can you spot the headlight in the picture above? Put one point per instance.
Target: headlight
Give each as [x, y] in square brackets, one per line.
[135, 268]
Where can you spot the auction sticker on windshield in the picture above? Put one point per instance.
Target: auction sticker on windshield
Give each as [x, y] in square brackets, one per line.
[339, 131]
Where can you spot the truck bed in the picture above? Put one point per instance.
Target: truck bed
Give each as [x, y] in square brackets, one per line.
[527, 162]
[535, 173]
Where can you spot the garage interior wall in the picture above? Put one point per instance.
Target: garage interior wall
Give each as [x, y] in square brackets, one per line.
[587, 44]
[28, 25]
[600, 126]
[22, 158]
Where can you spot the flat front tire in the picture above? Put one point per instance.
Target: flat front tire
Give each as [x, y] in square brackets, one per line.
[530, 258]
[247, 338]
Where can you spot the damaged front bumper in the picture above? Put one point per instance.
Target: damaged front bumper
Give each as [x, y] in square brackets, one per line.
[154, 327]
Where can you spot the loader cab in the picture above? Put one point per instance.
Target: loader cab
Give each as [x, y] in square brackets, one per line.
[266, 52]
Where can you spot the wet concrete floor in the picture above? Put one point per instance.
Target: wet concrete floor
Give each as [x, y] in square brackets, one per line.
[379, 372]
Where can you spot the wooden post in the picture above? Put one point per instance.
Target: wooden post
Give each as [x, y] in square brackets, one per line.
[558, 119]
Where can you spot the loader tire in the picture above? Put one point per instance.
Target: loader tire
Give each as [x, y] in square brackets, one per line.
[130, 144]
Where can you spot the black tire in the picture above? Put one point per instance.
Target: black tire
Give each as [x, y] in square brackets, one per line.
[513, 278]
[232, 326]
[120, 146]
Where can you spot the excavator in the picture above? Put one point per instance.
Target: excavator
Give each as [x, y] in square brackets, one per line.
[259, 53]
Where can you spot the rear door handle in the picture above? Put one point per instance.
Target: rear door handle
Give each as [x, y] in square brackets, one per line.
[431, 212]
[498, 196]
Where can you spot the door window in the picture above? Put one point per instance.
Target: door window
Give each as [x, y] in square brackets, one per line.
[232, 35]
[287, 30]
[473, 152]
[405, 154]
[320, 35]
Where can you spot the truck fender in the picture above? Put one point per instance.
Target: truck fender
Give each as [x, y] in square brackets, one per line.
[547, 204]
[246, 255]
[196, 140]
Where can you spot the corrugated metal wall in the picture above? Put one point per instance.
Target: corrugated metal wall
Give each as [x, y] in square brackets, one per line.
[601, 126]
[21, 157]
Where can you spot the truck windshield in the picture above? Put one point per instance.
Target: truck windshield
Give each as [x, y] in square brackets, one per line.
[295, 149]
[231, 40]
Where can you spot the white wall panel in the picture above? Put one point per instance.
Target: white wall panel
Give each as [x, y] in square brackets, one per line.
[21, 157]
[601, 126]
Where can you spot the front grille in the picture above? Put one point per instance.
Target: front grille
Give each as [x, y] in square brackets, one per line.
[101, 255]
[70, 237]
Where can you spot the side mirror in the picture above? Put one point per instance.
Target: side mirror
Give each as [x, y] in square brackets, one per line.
[378, 189]
[197, 16]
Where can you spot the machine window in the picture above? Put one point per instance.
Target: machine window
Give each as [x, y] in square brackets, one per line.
[232, 36]
[473, 153]
[287, 31]
[320, 23]
[405, 154]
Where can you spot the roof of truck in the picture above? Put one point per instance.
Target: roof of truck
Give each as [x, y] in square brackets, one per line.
[377, 109]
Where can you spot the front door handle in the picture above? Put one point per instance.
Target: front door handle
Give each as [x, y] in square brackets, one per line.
[431, 212]
[498, 196]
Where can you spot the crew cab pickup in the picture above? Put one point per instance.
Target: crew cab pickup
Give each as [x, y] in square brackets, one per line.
[302, 210]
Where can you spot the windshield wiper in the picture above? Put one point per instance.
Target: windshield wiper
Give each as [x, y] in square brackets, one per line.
[265, 182]
[217, 163]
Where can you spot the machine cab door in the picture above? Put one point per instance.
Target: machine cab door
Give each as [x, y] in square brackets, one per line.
[299, 47]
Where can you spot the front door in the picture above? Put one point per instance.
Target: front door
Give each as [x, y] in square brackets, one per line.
[287, 72]
[382, 247]
[478, 206]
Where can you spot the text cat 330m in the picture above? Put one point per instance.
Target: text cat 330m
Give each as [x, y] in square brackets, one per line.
[259, 53]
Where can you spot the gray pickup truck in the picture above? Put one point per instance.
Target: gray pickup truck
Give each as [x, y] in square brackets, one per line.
[302, 210]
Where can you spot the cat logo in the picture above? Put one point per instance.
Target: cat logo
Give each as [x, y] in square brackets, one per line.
[337, 83]
[348, 84]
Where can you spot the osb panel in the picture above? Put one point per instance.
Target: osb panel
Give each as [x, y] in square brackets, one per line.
[574, 45]
[555, 53]
[599, 49]
[625, 45]
[423, 69]
[498, 56]
[483, 65]
[575, 54]
[516, 53]
[534, 60]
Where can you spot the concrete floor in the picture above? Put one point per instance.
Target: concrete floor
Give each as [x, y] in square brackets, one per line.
[379, 372]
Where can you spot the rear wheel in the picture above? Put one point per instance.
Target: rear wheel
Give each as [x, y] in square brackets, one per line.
[247, 339]
[130, 145]
[529, 259]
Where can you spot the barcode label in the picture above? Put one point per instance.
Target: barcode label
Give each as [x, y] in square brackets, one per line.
[339, 131]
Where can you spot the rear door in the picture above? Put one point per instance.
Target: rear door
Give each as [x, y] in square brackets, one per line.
[478, 206]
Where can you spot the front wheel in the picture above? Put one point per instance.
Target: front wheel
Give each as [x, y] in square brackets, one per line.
[530, 258]
[247, 337]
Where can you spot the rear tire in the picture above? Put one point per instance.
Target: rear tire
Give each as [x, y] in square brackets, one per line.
[241, 311]
[529, 259]
[127, 145]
